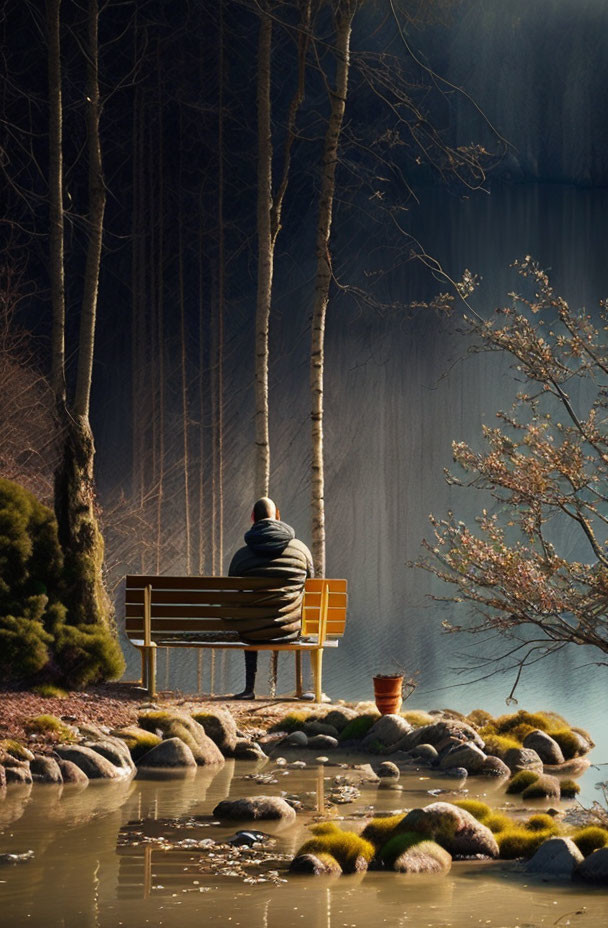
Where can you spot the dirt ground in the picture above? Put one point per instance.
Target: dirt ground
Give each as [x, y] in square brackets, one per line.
[116, 705]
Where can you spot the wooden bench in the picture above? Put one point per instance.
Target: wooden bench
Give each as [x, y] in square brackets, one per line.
[179, 612]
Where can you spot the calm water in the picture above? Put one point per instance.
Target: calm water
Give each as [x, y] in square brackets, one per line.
[92, 868]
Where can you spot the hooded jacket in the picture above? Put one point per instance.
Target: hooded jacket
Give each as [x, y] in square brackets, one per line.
[272, 550]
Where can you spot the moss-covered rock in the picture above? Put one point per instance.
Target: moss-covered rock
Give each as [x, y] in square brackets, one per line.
[293, 721]
[321, 864]
[568, 789]
[519, 841]
[357, 728]
[178, 725]
[478, 809]
[591, 838]
[16, 749]
[523, 759]
[542, 822]
[520, 781]
[544, 787]
[138, 740]
[352, 851]
[220, 726]
[453, 828]
[411, 853]
[379, 830]
[545, 746]
[50, 725]
[571, 742]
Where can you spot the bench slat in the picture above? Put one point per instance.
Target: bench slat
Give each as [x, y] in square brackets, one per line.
[208, 583]
[135, 627]
[192, 597]
[216, 612]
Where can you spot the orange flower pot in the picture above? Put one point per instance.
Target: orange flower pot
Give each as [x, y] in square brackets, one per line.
[388, 693]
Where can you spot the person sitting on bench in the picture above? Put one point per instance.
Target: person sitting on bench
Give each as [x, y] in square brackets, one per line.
[271, 550]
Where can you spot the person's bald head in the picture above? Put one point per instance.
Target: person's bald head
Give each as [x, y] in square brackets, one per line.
[264, 508]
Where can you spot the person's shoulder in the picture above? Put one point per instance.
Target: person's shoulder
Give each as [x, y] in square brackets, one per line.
[237, 559]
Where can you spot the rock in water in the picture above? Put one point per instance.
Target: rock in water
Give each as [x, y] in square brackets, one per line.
[178, 725]
[315, 864]
[296, 739]
[425, 857]
[116, 751]
[556, 857]
[523, 759]
[594, 868]
[220, 726]
[90, 762]
[71, 773]
[494, 767]
[170, 754]
[388, 730]
[322, 743]
[388, 771]
[463, 754]
[21, 775]
[45, 769]
[547, 749]
[453, 828]
[256, 808]
[340, 718]
[248, 750]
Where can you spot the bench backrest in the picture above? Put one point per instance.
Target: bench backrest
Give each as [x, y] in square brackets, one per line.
[179, 605]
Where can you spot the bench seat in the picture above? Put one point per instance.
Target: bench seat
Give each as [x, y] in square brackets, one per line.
[180, 612]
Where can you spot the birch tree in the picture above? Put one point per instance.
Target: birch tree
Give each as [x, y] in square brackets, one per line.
[344, 14]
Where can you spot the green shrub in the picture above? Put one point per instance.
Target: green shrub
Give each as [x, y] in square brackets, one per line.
[590, 839]
[40, 642]
[568, 789]
[358, 728]
[379, 830]
[49, 725]
[345, 846]
[521, 781]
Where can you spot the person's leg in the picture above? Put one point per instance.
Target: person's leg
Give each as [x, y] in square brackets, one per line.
[251, 666]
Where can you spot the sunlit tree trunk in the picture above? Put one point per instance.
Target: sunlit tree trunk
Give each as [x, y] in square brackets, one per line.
[265, 255]
[269, 211]
[344, 14]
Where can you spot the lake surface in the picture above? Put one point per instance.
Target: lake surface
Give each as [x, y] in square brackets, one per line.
[114, 855]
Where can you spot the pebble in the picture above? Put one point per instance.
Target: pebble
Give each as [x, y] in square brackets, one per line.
[322, 760]
[297, 764]
[280, 762]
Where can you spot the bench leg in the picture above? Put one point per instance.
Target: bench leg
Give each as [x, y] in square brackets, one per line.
[142, 678]
[149, 660]
[316, 658]
[298, 673]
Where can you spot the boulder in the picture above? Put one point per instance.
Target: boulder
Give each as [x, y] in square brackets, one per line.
[90, 762]
[544, 787]
[15, 750]
[340, 718]
[322, 743]
[594, 868]
[220, 726]
[387, 731]
[437, 732]
[178, 725]
[458, 773]
[315, 864]
[424, 857]
[138, 740]
[523, 759]
[494, 767]
[170, 754]
[388, 771]
[547, 749]
[20, 775]
[297, 739]
[45, 769]
[425, 753]
[453, 828]
[317, 727]
[71, 773]
[557, 857]
[248, 750]
[116, 751]
[254, 809]
[463, 754]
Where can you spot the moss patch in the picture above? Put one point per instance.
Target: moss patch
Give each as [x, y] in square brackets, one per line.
[325, 828]
[15, 749]
[542, 822]
[293, 721]
[568, 789]
[568, 741]
[590, 839]
[479, 810]
[358, 728]
[520, 842]
[50, 691]
[542, 788]
[521, 781]
[498, 822]
[398, 844]
[498, 745]
[379, 830]
[49, 725]
[418, 719]
[137, 740]
[345, 846]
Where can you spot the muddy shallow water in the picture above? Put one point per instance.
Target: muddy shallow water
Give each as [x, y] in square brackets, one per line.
[133, 854]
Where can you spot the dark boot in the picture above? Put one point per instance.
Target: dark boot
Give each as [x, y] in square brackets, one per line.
[251, 666]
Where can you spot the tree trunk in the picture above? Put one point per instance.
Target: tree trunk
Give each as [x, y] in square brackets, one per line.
[56, 258]
[345, 12]
[265, 256]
